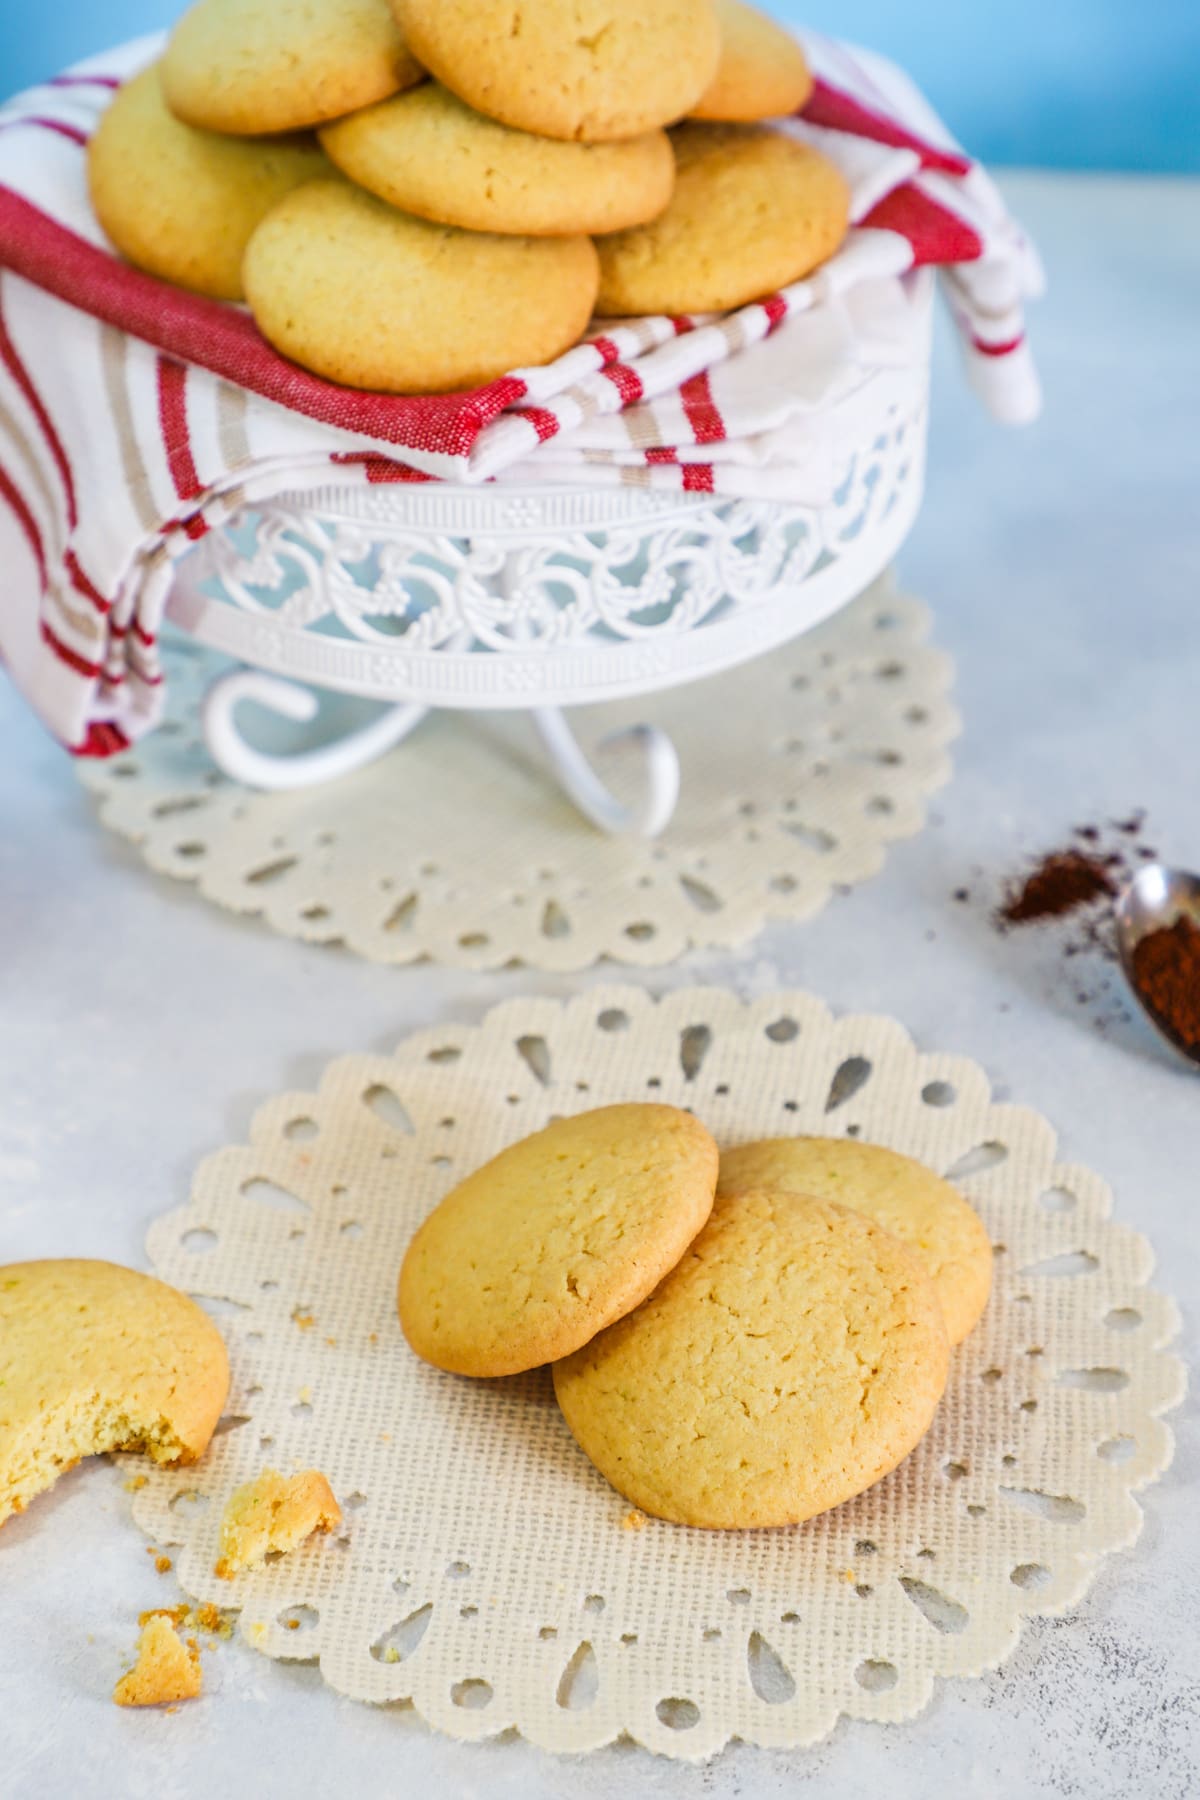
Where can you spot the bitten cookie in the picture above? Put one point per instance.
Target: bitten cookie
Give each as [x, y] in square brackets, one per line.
[427, 153]
[94, 1357]
[762, 73]
[256, 66]
[373, 298]
[593, 70]
[555, 1238]
[903, 1196]
[794, 1356]
[182, 203]
[753, 209]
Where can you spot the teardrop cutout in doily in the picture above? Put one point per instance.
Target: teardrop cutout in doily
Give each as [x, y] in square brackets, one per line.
[484, 1569]
[798, 770]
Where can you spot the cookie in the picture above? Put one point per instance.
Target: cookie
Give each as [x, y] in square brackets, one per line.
[794, 1356]
[181, 203]
[903, 1196]
[753, 209]
[555, 1238]
[166, 1669]
[256, 66]
[374, 298]
[94, 1357]
[593, 70]
[762, 73]
[428, 153]
[274, 1513]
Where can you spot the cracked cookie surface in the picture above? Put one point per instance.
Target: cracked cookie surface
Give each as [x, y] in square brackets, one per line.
[763, 72]
[428, 153]
[902, 1195]
[753, 209]
[586, 69]
[255, 66]
[183, 203]
[556, 1238]
[365, 295]
[791, 1359]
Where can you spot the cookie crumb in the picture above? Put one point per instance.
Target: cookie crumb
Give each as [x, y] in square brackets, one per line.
[304, 1320]
[135, 1484]
[634, 1521]
[163, 1564]
[274, 1513]
[166, 1669]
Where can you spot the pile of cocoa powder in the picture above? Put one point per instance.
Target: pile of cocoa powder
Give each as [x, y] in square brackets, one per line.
[1070, 890]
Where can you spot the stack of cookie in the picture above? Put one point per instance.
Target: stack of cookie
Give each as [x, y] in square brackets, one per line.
[416, 196]
[738, 1340]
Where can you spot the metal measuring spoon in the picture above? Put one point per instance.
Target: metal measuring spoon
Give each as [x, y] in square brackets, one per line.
[1155, 899]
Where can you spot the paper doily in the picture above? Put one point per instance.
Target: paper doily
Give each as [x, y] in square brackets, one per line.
[798, 770]
[485, 1570]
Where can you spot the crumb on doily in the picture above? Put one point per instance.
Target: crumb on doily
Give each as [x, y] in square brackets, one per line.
[167, 1669]
[634, 1521]
[274, 1513]
[303, 1320]
[133, 1484]
[205, 1617]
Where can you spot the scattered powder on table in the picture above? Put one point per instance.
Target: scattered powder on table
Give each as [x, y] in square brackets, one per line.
[1067, 895]
[1061, 883]
[1166, 973]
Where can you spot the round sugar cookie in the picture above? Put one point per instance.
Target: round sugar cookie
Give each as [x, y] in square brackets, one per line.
[94, 1357]
[364, 295]
[794, 1356]
[555, 1238]
[753, 209]
[906, 1198]
[593, 70]
[762, 74]
[181, 203]
[255, 66]
[429, 154]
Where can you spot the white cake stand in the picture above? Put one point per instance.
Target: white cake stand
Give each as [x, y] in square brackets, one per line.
[479, 598]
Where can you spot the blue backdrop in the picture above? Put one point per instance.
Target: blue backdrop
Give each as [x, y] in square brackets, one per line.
[1104, 84]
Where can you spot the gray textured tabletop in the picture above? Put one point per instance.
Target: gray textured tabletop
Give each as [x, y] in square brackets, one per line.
[1063, 564]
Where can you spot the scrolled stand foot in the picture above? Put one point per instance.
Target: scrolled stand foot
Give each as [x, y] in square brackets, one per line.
[275, 773]
[647, 817]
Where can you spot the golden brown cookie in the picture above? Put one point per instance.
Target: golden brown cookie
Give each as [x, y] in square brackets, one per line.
[274, 1513]
[166, 1669]
[94, 1357]
[794, 1356]
[374, 298]
[182, 203]
[555, 1238]
[428, 153]
[753, 209]
[256, 66]
[592, 70]
[762, 73]
[903, 1196]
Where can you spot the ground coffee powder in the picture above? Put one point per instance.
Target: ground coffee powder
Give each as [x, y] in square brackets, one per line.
[1061, 883]
[1166, 973]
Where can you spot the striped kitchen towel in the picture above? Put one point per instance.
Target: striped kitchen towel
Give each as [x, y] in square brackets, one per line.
[134, 417]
